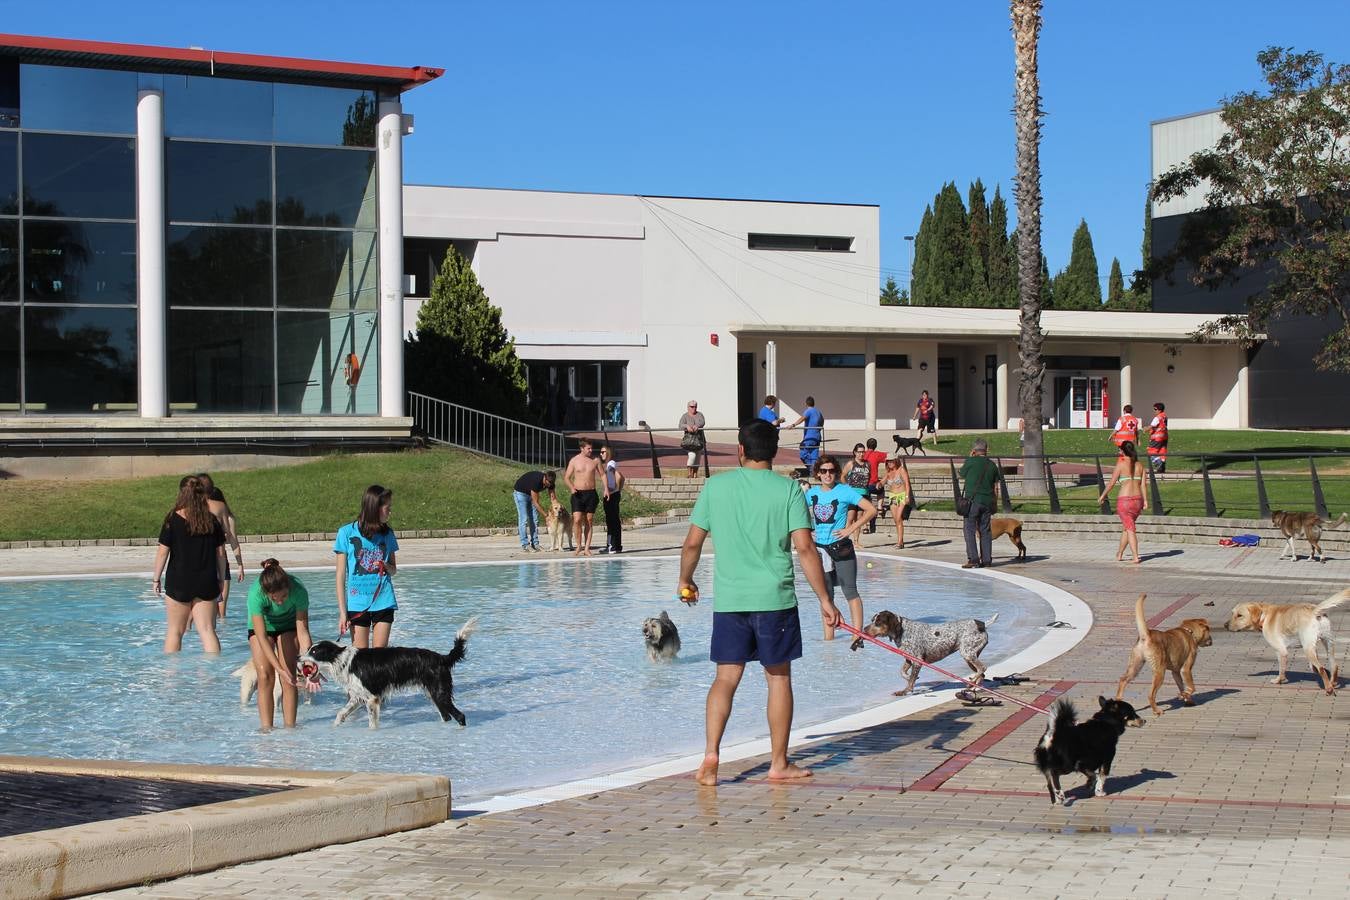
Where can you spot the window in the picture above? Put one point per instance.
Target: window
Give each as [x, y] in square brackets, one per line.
[9, 260]
[326, 188]
[78, 359]
[338, 117]
[327, 363]
[892, 360]
[9, 358]
[222, 108]
[837, 360]
[221, 361]
[9, 173]
[229, 183]
[211, 266]
[810, 242]
[80, 177]
[327, 269]
[66, 98]
[79, 262]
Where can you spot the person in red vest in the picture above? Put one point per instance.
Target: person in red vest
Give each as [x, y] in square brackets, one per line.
[1157, 439]
[1127, 427]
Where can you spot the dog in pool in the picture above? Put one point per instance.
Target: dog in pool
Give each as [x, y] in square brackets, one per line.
[662, 638]
[372, 675]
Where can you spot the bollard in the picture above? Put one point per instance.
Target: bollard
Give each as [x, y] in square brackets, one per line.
[1154, 497]
[1104, 506]
[956, 484]
[1319, 500]
[1050, 487]
[1003, 487]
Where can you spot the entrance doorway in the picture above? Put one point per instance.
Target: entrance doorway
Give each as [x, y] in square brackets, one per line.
[946, 392]
[1084, 405]
[745, 387]
[991, 392]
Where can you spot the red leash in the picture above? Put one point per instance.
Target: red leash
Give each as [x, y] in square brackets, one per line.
[914, 659]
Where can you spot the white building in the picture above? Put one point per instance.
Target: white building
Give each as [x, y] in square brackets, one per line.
[626, 307]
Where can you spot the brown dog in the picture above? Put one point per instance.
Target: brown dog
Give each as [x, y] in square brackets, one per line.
[1013, 529]
[1309, 526]
[1277, 621]
[1173, 650]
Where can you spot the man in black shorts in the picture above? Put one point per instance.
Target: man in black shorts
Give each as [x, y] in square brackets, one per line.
[580, 475]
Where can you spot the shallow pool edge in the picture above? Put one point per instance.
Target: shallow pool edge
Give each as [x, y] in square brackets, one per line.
[1054, 643]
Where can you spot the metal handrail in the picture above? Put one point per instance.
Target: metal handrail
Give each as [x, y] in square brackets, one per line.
[442, 422]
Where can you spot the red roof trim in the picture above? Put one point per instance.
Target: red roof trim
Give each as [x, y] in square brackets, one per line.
[406, 78]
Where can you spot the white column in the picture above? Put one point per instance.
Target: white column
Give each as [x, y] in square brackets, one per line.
[771, 368]
[389, 162]
[1001, 388]
[870, 383]
[1126, 381]
[1244, 391]
[151, 315]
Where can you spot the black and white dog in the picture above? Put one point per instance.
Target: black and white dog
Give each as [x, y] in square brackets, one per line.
[371, 675]
[1088, 747]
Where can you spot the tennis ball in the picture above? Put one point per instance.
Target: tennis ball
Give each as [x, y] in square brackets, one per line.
[870, 565]
[686, 593]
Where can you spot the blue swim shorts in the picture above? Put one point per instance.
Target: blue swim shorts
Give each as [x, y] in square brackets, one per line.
[772, 638]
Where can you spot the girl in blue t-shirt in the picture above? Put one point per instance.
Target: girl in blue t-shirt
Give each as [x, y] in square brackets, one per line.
[365, 571]
[829, 504]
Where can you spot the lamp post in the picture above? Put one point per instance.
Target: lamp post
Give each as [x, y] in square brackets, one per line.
[910, 238]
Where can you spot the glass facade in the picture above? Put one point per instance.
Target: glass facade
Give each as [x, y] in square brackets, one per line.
[270, 248]
[577, 395]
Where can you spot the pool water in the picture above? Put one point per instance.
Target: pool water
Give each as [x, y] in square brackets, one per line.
[556, 685]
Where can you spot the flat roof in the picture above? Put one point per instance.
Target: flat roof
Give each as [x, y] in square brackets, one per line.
[471, 187]
[201, 61]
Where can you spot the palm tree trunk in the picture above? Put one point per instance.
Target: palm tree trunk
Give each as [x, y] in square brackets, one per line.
[1026, 27]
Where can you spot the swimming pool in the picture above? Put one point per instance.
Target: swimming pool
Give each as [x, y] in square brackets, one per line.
[556, 686]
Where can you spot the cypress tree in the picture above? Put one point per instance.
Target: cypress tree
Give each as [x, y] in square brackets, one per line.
[1115, 286]
[1080, 287]
[949, 281]
[978, 214]
[462, 352]
[1142, 289]
[919, 277]
[1001, 271]
[890, 294]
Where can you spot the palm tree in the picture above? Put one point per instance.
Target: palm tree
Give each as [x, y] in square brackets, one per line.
[1026, 27]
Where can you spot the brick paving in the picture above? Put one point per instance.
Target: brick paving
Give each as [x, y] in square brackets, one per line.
[1247, 794]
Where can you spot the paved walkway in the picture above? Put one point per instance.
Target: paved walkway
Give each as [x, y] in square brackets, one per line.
[1246, 794]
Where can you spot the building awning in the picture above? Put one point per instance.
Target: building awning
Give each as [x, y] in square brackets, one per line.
[200, 61]
[947, 323]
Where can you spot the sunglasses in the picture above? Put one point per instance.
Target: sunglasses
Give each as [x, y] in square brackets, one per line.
[828, 471]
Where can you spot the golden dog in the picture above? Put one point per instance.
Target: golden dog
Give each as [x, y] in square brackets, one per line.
[1013, 529]
[1277, 621]
[1173, 650]
[1309, 525]
[557, 528]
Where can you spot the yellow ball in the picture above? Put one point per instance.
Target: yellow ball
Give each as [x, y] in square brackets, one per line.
[870, 565]
[686, 593]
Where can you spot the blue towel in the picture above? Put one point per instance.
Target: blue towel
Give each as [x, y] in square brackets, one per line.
[1246, 540]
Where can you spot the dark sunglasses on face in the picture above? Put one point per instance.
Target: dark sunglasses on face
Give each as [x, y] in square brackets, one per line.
[829, 471]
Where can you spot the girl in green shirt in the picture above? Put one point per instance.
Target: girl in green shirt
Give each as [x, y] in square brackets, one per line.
[278, 617]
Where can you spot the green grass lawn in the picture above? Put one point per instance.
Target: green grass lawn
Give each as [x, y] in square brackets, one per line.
[1084, 442]
[433, 489]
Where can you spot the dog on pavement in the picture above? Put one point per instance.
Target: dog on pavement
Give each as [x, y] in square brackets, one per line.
[1001, 525]
[908, 444]
[662, 637]
[1088, 747]
[1307, 525]
[1173, 650]
[371, 675]
[1278, 621]
[931, 643]
[557, 527]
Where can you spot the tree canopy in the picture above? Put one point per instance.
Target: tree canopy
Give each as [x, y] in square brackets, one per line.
[461, 352]
[1276, 203]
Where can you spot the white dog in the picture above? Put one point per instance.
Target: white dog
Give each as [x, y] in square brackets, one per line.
[248, 685]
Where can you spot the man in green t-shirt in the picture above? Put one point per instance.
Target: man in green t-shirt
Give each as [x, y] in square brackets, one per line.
[978, 476]
[756, 518]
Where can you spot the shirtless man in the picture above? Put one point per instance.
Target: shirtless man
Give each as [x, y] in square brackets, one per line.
[580, 476]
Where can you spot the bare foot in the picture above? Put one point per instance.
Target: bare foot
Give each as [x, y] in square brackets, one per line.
[789, 773]
[707, 772]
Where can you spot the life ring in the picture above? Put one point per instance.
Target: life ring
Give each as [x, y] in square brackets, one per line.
[352, 370]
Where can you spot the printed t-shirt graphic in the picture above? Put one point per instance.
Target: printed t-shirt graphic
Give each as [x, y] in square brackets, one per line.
[829, 510]
[364, 558]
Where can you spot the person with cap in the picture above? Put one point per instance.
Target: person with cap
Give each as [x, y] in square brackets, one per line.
[978, 476]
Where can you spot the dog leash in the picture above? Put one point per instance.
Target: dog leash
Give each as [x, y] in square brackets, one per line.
[914, 659]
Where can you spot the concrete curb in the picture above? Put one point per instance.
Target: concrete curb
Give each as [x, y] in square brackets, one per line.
[321, 808]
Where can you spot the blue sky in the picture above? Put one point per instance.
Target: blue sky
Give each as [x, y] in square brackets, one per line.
[863, 102]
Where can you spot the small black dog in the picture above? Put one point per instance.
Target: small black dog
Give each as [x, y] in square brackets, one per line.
[1088, 747]
[908, 445]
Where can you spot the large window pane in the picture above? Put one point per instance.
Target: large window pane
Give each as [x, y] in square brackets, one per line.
[79, 359]
[77, 176]
[9, 93]
[9, 173]
[80, 262]
[223, 108]
[328, 363]
[9, 358]
[308, 114]
[64, 98]
[220, 361]
[326, 269]
[9, 259]
[219, 266]
[332, 188]
[229, 183]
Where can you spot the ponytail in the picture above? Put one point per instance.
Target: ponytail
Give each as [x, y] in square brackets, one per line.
[274, 579]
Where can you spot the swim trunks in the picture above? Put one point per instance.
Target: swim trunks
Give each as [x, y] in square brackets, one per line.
[585, 501]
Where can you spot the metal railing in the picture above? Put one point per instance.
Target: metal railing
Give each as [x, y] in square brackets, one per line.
[442, 422]
[1210, 485]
